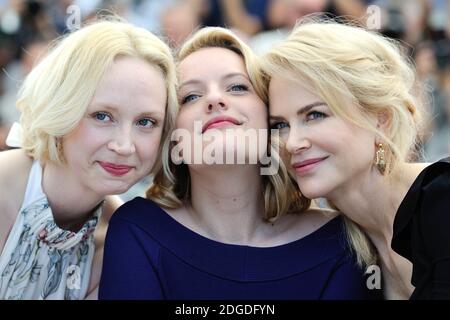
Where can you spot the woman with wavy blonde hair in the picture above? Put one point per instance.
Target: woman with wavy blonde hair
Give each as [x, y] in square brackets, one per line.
[218, 229]
[349, 111]
[93, 114]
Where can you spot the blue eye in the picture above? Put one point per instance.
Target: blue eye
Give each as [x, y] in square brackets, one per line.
[279, 125]
[189, 98]
[239, 87]
[146, 122]
[102, 116]
[314, 115]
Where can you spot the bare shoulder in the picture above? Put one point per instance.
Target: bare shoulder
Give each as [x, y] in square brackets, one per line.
[112, 203]
[412, 170]
[14, 164]
[14, 170]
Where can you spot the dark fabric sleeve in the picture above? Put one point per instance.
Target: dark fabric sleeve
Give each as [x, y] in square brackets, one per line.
[348, 283]
[435, 230]
[129, 261]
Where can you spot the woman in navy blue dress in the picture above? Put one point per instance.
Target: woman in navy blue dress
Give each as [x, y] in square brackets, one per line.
[210, 229]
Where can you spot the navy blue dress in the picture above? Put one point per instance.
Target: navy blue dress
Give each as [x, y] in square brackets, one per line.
[149, 255]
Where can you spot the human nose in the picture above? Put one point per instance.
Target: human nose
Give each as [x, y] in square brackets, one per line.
[297, 140]
[215, 100]
[122, 142]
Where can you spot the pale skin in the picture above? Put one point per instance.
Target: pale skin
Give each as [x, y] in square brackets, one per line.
[346, 175]
[116, 129]
[226, 202]
[14, 168]
[373, 206]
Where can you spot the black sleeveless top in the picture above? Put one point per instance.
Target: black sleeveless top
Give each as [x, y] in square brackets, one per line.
[422, 231]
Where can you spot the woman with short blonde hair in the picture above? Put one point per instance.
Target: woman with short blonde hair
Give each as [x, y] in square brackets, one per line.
[94, 112]
[55, 96]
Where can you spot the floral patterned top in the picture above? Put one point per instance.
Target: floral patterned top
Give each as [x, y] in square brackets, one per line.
[41, 260]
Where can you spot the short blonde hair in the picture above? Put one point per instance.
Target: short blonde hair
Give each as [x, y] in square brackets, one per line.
[55, 95]
[360, 75]
[171, 184]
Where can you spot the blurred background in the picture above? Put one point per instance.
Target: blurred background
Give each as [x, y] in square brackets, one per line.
[27, 27]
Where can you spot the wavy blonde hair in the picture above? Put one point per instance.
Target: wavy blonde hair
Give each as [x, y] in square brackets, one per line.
[55, 95]
[171, 184]
[361, 75]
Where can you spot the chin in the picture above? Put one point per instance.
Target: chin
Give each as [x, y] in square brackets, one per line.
[109, 189]
[311, 191]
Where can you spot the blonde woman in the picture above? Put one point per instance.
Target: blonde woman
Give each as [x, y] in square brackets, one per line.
[93, 114]
[347, 108]
[217, 230]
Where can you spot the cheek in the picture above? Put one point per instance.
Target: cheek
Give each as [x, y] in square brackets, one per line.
[257, 105]
[355, 146]
[334, 136]
[257, 113]
[327, 139]
[148, 148]
[185, 120]
[363, 149]
[85, 139]
[262, 121]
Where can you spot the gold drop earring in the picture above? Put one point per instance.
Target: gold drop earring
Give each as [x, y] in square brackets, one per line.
[380, 160]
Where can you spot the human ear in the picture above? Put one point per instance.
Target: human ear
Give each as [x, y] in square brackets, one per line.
[384, 120]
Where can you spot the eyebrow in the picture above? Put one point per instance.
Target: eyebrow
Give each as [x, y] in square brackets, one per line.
[102, 105]
[112, 108]
[308, 107]
[302, 110]
[236, 74]
[225, 77]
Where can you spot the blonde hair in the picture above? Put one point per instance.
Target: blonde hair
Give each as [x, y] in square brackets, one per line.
[55, 95]
[171, 184]
[361, 75]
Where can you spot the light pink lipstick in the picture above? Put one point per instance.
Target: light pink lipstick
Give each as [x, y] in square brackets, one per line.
[306, 166]
[218, 122]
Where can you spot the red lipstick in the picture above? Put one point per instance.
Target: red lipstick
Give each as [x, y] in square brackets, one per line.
[115, 169]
